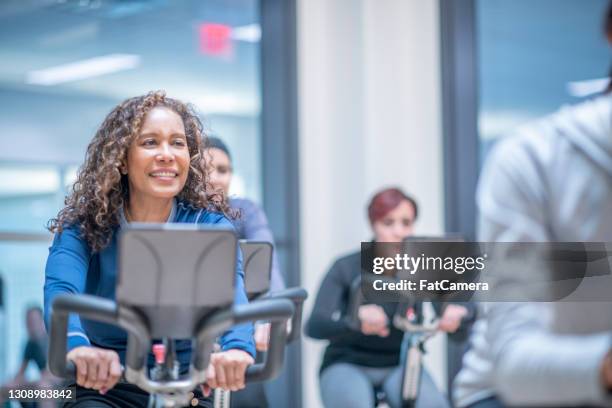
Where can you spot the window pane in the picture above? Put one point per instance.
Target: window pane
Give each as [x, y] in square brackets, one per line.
[72, 61]
[530, 53]
[29, 196]
[22, 271]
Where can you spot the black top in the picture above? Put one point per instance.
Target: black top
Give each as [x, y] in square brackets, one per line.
[36, 350]
[328, 321]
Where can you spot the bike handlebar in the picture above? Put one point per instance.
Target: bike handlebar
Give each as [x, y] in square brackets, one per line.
[278, 311]
[406, 325]
[297, 296]
[87, 306]
[356, 299]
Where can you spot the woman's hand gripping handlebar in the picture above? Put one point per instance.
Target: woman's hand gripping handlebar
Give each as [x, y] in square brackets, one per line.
[277, 311]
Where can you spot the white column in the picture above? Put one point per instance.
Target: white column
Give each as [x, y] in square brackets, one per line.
[370, 117]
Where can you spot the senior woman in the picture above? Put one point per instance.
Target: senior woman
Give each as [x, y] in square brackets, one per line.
[143, 165]
[356, 361]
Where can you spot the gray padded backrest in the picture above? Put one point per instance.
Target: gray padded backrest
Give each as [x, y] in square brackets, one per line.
[175, 274]
[257, 264]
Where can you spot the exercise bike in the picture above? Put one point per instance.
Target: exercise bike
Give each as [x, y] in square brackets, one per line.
[257, 265]
[410, 319]
[174, 282]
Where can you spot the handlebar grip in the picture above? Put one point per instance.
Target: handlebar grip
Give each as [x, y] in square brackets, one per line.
[87, 306]
[275, 356]
[297, 296]
[277, 311]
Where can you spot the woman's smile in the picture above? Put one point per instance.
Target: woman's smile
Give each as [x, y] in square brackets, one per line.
[164, 176]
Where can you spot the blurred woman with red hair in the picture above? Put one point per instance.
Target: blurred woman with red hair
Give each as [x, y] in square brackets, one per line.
[357, 361]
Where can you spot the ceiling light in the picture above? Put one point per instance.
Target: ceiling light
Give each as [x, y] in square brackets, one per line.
[249, 33]
[84, 69]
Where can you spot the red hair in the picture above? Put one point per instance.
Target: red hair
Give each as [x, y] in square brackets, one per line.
[387, 200]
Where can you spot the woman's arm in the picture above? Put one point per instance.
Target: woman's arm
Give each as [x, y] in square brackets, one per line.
[239, 336]
[456, 318]
[328, 319]
[66, 272]
[227, 368]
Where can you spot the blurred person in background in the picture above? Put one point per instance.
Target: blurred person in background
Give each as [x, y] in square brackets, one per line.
[551, 182]
[144, 164]
[251, 224]
[356, 361]
[35, 351]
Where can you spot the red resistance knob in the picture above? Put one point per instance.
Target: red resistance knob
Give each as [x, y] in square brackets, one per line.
[159, 351]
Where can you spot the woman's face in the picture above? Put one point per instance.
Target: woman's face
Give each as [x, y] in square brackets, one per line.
[158, 160]
[220, 169]
[396, 225]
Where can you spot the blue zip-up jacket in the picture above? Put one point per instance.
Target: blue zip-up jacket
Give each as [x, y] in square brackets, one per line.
[73, 268]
